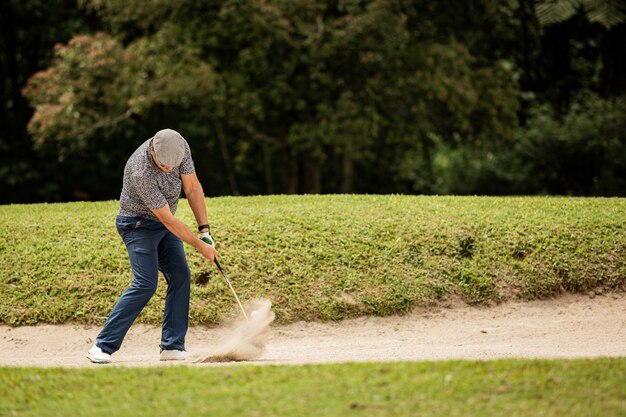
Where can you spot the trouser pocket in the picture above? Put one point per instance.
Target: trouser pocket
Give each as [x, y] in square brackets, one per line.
[125, 224]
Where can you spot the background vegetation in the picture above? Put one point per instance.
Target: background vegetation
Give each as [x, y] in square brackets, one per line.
[321, 257]
[310, 96]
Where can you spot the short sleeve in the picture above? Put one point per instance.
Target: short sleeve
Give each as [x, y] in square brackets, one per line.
[148, 191]
[186, 166]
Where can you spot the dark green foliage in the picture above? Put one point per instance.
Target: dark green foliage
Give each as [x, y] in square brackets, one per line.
[583, 153]
[281, 96]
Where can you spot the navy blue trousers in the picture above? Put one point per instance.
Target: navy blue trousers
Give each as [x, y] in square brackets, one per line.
[151, 248]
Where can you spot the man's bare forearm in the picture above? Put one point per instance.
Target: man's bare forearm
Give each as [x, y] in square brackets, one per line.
[198, 205]
[180, 230]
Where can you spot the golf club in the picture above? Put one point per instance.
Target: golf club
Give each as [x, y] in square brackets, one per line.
[231, 287]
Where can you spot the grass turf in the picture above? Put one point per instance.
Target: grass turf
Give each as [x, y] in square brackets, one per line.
[321, 257]
[497, 388]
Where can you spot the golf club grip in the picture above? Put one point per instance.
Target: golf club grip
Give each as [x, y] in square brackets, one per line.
[224, 275]
[217, 263]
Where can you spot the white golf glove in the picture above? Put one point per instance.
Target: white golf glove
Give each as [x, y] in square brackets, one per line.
[207, 238]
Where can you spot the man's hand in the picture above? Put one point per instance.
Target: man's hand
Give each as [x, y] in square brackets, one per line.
[208, 252]
[210, 242]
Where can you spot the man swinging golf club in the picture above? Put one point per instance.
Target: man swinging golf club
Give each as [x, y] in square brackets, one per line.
[153, 177]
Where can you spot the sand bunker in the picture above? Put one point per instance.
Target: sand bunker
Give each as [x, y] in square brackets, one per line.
[570, 326]
[247, 338]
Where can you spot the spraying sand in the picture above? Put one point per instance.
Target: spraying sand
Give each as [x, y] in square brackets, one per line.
[248, 336]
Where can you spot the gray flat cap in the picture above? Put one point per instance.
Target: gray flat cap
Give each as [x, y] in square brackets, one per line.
[169, 147]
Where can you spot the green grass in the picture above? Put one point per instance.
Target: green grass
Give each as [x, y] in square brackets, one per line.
[321, 257]
[499, 388]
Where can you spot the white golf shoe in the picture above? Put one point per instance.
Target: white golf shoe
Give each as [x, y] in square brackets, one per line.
[96, 355]
[175, 355]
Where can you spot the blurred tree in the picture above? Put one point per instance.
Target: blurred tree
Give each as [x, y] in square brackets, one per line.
[310, 95]
[97, 92]
[95, 84]
[283, 96]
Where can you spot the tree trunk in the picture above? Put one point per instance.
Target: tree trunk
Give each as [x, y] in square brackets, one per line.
[312, 179]
[427, 173]
[347, 170]
[613, 74]
[17, 116]
[556, 47]
[230, 172]
[267, 168]
[293, 171]
[530, 46]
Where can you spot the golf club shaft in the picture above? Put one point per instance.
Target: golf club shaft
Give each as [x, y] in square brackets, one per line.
[231, 287]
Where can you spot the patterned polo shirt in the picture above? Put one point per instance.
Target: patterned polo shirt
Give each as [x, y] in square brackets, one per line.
[146, 187]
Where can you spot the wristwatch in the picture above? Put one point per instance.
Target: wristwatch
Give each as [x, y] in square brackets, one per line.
[204, 226]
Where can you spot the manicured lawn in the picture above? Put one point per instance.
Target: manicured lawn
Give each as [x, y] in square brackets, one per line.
[500, 388]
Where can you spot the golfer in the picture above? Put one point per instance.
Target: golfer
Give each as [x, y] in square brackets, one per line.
[153, 177]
